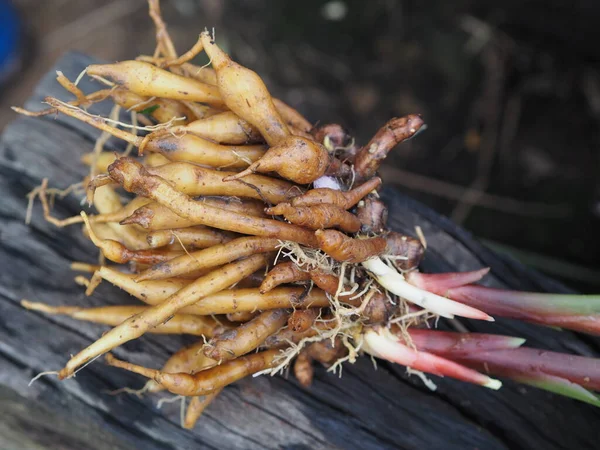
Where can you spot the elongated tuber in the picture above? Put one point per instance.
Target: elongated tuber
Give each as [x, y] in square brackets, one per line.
[295, 158]
[318, 217]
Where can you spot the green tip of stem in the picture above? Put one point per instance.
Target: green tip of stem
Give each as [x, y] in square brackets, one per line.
[494, 384]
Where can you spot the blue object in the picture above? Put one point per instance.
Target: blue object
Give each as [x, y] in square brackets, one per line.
[10, 39]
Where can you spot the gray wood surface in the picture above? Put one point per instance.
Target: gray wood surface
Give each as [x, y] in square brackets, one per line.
[365, 409]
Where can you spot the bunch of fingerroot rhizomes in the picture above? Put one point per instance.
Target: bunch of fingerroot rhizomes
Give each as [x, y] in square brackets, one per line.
[265, 237]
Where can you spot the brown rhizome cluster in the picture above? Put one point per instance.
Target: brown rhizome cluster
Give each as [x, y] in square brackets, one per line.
[246, 225]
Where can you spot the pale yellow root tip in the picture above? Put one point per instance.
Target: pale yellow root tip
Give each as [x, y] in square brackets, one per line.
[493, 384]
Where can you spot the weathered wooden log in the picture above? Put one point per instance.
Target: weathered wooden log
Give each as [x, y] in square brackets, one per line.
[365, 409]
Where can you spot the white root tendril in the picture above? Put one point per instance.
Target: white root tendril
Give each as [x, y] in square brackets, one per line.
[162, 401]
[429, 384]
[42, 374]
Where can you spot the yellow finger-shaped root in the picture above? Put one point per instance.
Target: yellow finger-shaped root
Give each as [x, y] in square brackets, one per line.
[345, 200]
[223, 128]
[251, 300]
[187, 147]
[192, 237]
[189, 359]
[135, 178]
[117, 252]
[291, 116]
[114, 315]
[102, 231]
[245, 93]
[108, 201]
[295, 158]
[346, 249]
[150, 292]
[318, 216]
[148, 80]
[138, 325]
[155, 216]
[250, 207]
[196, 407]
[286, 272]
[295, 121]
[195, 180]
[247, 337]
[206, 381]
[155, 160]
[210, 257]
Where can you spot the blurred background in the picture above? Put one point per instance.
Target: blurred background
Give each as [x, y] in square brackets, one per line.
[510, 91]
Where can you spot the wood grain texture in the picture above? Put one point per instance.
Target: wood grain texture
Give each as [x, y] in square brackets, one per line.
[365, 409]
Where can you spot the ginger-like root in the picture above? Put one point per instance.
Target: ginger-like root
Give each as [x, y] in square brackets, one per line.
[206, 381]
[135, 178]
[192, 179]
[188, 359]
[147, 80]
[246, 337]
[346, 249]
[209, 257]
[223, 128]
[114, 315]
[191, 148]
[136, 326]
[117, 252]
[195, 237]
[286, 272]
[318, 217]
[295, 158]
[244, 93]
[369, 158]
[345, 200]
[197, 406]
